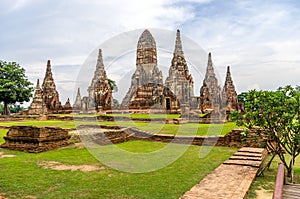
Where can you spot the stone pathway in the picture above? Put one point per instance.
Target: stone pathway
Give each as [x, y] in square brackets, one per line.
[232, 179]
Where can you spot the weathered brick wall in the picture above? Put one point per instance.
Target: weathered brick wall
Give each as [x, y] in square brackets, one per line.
[35, 139]
[117, 135]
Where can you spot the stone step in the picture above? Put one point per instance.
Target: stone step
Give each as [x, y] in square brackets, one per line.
[248, 154]
[245, 158]
[244, 163]
[251, 150]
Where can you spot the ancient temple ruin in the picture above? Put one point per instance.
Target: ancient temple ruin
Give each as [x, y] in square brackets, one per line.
[99, 92]
[179, 81]
[146, 76]
[147, 90]
[37, 106]
[212, 98]
[210, 92]
[229, 95]
[46, 98]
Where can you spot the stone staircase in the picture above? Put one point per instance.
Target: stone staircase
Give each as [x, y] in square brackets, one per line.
[247, 156]
[232, 179]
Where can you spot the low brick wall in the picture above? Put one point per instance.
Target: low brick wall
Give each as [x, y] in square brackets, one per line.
[35, 139]
[101, 135]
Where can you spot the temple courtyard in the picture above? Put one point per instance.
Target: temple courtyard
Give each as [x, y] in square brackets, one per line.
[73, 172]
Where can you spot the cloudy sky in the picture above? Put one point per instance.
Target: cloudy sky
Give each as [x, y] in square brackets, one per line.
[260, 40]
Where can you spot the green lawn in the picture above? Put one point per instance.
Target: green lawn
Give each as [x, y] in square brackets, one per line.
[188, 129]
[22, 177]
[58, 123]
[153, 127]
[2, 133]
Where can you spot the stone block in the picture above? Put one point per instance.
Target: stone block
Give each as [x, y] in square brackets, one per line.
[35, 139]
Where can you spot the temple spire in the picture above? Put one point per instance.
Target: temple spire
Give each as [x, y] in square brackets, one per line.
[178, 46]
[78, 93]
[37, 106]
[146, 49]
[100, 65]
[48, 74]
[38, 84]
[77, 103]
[229, 95]
[210, 69]
[228, 80]
[51, 96]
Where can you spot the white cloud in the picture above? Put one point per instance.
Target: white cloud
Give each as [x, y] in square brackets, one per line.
[259, 40]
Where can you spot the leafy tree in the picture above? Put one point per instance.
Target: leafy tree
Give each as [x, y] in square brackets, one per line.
[15, 108]
[14, 85]
[113, 85]
[1, 108]
[275, 115]
[116, 102]
[242, 97]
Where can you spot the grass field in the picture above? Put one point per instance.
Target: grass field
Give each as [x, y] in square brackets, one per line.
[2, 133]
[153, 127]
[23, 177]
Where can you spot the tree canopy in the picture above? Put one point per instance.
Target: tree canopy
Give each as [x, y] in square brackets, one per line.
[113, 85]
[14, 85]
[275, 115]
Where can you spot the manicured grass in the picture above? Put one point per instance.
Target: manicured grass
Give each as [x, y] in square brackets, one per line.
[267, 181]
[2, 134]
[188, 129]
[153, 127]
[21, 177]
[58, 123]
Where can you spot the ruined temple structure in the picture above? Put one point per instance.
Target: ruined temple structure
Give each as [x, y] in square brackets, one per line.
[37, 106]
[212, 98]
[146, 73]
[147, 89]
[210, 92]
[99, 92]
[179, 81]
[46, 97]
[229, 95]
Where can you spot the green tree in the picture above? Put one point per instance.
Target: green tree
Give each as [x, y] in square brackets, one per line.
[1, 108]
[276, 116]
[113, 85]
[116, 102]
[242, 97]
[15, 108]
[14, 85]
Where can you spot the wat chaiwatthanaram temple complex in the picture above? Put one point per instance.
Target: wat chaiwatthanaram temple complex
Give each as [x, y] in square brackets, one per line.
[148, 90]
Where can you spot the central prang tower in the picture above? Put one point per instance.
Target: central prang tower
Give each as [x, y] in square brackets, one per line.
[146, 72]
